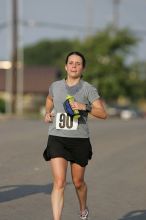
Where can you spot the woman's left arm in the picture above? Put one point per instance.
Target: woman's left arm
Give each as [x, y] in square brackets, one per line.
[98, 109]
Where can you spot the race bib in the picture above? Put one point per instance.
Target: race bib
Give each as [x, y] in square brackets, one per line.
[65, 122]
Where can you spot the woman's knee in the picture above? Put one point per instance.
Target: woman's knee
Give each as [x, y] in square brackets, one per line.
[78, 183]
[59, 183]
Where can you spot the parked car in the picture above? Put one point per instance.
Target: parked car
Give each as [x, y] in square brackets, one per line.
[131, 112]
[124, 112]
[113, 110]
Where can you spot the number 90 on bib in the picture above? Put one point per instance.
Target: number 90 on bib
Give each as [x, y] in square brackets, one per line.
[65, 122]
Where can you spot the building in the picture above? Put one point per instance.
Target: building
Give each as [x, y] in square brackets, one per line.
[36, 81]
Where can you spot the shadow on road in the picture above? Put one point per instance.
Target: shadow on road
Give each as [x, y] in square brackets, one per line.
[12, 192]
[135, 215]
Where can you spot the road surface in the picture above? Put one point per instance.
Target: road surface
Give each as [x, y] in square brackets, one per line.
[116, 175]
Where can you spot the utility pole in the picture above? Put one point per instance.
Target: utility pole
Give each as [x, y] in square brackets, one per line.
[116, 14]
[14, 58]
[20, 66]
[90, 14]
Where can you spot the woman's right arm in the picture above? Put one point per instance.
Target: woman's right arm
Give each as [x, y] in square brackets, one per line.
[49, 107]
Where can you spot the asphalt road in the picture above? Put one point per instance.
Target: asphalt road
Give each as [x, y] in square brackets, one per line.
[116, 175]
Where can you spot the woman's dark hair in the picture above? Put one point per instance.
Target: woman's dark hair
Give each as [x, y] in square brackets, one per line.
[78, 54]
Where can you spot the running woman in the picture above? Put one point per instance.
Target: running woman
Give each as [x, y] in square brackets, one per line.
[68, 139]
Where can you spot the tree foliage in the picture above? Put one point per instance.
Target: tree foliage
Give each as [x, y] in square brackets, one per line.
[106, 53]
[49, 53]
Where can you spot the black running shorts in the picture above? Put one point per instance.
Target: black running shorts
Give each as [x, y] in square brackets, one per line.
[75, 150]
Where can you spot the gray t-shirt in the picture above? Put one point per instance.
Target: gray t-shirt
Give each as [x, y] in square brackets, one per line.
[62, 124]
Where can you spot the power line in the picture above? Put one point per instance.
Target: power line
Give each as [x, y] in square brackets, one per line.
[42, 24]
[32, 23]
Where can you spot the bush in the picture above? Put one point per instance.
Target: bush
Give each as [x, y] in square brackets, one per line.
[2, 106]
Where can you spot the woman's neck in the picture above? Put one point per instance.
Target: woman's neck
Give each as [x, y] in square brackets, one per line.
[72, 81]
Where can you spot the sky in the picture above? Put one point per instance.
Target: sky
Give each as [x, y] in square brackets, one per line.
[70, 19]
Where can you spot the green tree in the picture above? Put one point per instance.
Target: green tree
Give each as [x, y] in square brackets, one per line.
[106, 53]
[49, 53]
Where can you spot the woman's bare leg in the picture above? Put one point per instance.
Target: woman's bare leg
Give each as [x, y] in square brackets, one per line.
[59, 169]
[81, 188]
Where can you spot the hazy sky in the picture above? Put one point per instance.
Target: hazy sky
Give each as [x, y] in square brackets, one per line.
[59, 15]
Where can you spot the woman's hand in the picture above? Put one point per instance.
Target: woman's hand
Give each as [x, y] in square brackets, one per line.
[78, 106]
[49, 117]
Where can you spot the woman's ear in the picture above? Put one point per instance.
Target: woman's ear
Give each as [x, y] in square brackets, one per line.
[65, 67]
